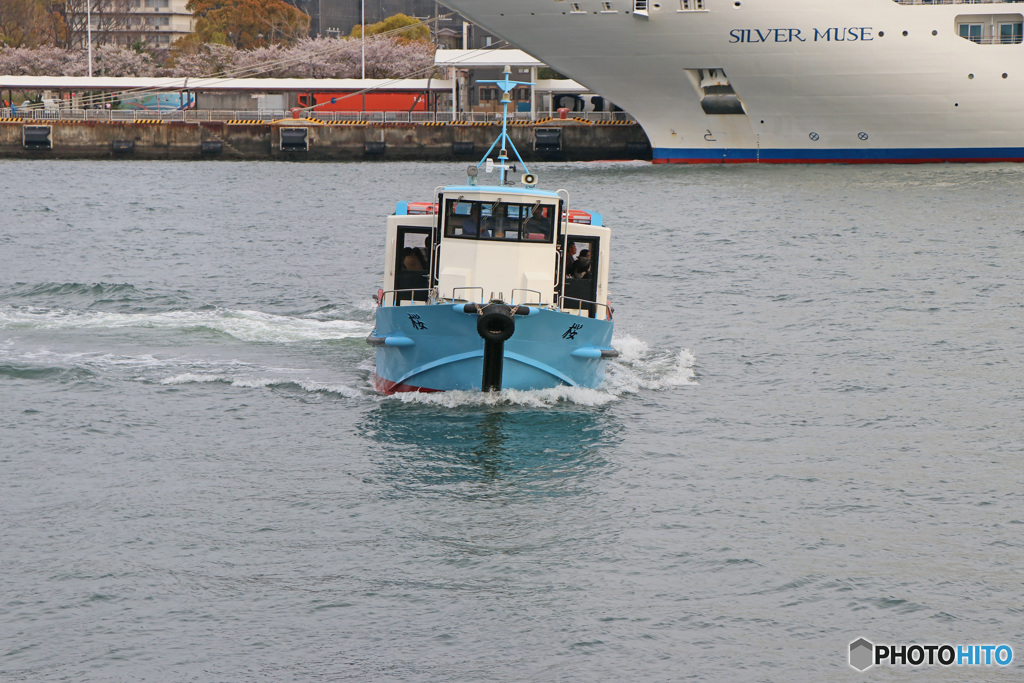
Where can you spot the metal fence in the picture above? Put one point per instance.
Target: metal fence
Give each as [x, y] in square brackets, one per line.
[129, 115]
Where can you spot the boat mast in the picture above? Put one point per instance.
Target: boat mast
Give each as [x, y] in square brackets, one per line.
[506, 86]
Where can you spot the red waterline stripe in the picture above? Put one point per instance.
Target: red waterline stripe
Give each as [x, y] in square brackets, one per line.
[386, 386]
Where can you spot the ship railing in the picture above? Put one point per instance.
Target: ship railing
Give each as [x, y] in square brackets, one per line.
[405, 297]
[458, 299]
[526, 301]
[584, 307]
[995, 40]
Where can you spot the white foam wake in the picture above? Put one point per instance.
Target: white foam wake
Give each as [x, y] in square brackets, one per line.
[637, 369]
[257, 381]
[245, 325]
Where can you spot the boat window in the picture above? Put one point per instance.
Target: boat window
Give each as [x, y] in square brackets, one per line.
[412, 256]
[498, 220]
[581, 266]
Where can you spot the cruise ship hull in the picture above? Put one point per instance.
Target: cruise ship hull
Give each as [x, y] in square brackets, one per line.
[790, 81]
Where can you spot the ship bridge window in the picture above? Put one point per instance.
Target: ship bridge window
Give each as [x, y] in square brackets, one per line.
[499, 221]
[691, 5]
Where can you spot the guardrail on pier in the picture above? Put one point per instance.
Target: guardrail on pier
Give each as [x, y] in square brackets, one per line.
[193, 116]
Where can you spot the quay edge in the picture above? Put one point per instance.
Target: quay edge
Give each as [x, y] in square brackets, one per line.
[303, 139]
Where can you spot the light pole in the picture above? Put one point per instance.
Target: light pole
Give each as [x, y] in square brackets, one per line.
[88, 31]
[362, 41]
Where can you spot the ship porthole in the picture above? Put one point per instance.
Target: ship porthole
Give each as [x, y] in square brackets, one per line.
[1004, 75]
[970, 77]
[862, 136]
[935, 33]
[881, 34]
[814, 137]
[905, 34]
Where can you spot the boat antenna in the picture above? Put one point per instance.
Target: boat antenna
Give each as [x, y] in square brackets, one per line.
[506, 86]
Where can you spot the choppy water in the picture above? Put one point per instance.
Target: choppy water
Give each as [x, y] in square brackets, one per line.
[814, 433]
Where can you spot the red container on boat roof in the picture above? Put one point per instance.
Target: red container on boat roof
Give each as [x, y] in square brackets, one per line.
[577, 216]
[422, 208]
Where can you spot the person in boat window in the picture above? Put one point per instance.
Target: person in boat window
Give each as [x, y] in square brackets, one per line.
[535, 229]
[581, 269]
[424, 252]
[412, 259]
[468, 227]
[570, 259]
[487, 227]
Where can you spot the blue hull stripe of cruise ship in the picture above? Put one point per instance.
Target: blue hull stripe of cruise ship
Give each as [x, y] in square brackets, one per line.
[831, 156]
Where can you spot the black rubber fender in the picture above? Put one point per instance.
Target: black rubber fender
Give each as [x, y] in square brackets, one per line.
[496, 323]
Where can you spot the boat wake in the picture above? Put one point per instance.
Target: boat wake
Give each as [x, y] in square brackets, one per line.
[243, 325]
[32, 357]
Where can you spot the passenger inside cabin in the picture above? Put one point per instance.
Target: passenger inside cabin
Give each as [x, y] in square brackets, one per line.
[581, 269]
[487, 227]
[570, 259]
[412, 259]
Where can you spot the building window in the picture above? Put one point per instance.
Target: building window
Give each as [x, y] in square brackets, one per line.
[691, 5]
[157, 3]
[971, 32]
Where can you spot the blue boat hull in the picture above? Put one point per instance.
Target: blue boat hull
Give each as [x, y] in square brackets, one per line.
[437, 348]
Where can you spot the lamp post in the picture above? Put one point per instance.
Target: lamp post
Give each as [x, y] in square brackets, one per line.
[88, 31]
[362, 41]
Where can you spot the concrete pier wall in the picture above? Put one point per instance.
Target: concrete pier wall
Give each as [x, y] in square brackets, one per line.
[302, 139]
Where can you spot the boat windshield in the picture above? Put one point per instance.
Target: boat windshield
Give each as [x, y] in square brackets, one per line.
[499, 220]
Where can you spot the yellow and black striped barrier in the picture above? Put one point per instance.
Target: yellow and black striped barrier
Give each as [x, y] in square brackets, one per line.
[10, 120]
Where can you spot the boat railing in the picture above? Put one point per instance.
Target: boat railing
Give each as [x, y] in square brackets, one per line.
[459, 299]
[409, 297]
[527, 302]
[585, 308]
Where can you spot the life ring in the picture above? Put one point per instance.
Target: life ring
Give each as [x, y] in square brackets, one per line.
[496, 323]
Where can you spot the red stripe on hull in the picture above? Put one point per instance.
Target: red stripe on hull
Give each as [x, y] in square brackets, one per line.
[387, 387]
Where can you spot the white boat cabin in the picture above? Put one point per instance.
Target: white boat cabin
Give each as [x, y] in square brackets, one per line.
[488, 243]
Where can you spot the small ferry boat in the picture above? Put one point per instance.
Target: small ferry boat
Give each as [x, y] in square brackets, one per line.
[493, 287]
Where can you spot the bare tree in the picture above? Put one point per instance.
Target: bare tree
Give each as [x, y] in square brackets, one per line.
[113, 21]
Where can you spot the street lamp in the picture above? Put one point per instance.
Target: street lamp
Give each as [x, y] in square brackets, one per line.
[362, 41]
[88, 31]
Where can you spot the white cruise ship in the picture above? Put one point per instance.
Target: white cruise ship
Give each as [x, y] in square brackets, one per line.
[790, 81]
